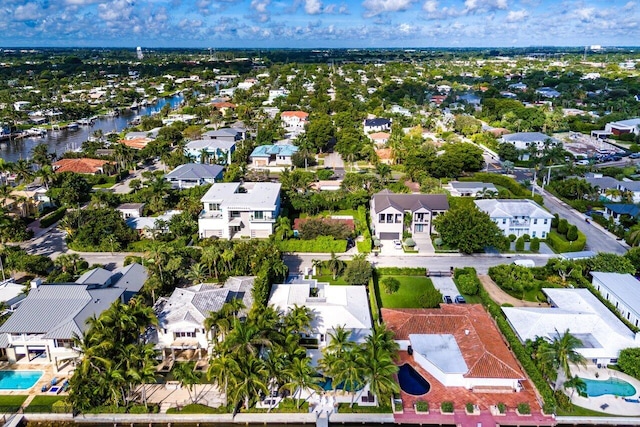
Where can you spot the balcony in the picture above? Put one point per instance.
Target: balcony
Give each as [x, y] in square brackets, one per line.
[211, 214]
[520, 222]
[252, 218]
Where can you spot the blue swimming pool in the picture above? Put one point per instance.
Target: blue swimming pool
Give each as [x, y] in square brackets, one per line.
[18, 380]
[327, 385]
[613, 386]
[411, 381]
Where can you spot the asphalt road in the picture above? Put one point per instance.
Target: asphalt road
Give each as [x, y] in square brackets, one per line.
[598, 239]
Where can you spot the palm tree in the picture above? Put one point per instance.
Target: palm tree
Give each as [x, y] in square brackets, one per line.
[196, 273]
[223, 369]
[298, 320]
[246, 339]
[350, 372]
[577, 384]
[301, 376]
[561, 353]
[46, 174]
[283, 228]
[184, 373]
[339, 341]
[336, 265]
[249, 380]
[210, 256]
[380, 350]
[23, 170]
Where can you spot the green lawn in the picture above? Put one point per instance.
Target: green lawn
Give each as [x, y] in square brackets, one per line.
[329, 279]
[196, 408]
[411, 287]
[12, 401]
[344, 408]
[43, 403]
[579, 411]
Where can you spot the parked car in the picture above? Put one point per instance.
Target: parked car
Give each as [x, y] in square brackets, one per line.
[397, 244]
[460, 300]
[583, 162]
[447, 299]
[635, 156]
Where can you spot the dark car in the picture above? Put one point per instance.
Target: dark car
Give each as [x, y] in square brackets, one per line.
[447, 299]
[460, 300]
[635, 156]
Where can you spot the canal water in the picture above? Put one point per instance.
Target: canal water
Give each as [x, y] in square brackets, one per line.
[69, 140]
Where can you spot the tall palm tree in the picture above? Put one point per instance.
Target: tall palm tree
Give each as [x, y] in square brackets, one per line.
[301, 376]
[223, 369]
[184, 373]
[335, 264]
[196, 273]
[249, 381]
[246, 339]
[561, 352]
[298, 320]
[379, 370]
[350, 372]
[210, 256]
[23, 170]
[46, 174]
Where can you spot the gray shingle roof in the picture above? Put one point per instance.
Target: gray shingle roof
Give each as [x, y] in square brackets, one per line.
[195, 171]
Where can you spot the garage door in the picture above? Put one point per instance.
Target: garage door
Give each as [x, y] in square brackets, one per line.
[389, 236]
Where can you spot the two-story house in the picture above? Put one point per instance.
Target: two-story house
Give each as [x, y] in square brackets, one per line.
[517, 217]
[294, 120]
[272, 155]
[388, 211]
[235, 210]
[377, 125]
[194, 174]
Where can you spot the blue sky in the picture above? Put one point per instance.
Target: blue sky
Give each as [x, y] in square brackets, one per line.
[318, 23]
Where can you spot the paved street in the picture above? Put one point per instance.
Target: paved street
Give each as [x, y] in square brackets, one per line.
[598, 239]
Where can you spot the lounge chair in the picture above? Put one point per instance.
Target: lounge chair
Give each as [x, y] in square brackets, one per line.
[44, 388]
[54, 381]
[632, 400]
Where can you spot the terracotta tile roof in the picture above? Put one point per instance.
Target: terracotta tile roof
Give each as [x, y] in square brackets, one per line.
[385, 154]
[223, 105]
[379, 135]
[82, 165]
[299, 114]
[480, 342]
[137, 143]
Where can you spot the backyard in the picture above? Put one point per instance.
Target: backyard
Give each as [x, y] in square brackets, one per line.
[414, 292]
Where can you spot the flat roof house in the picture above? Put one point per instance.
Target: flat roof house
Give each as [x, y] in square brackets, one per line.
[603, 335]
[522, 140]
[193, 175]
[470, 189]
[623, 126]
[459, 345]
[388, 210]
[213, 150]
[621, 290]
[234, 210]
[517, 217]
[49, 317]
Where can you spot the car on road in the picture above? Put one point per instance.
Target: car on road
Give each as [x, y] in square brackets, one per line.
[447, 299]
[583, 162]
[635, 156]
[397, 244]
[460, 300]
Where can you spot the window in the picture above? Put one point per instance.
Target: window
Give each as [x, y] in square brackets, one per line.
[234, 214]
[504, 220]
[258, 215]
[545, 221]
[63, 343]
[544, 234]
[398, 218]
[381, 218]
[533, 234]
[184, 334]
[535, 220]
[214, 206]
[390, 218]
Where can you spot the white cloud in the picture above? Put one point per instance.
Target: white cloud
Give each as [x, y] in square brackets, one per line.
[376, 7]
[517, 15]
[585, 14]
[430, 6]
[28, 12]
[312, 7]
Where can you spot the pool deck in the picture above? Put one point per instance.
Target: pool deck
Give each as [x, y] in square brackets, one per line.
[47, 375]
[616, 405]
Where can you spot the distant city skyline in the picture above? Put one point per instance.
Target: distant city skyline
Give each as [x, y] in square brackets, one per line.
[318, 23]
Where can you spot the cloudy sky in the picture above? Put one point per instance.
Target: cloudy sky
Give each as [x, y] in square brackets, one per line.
[318, 23]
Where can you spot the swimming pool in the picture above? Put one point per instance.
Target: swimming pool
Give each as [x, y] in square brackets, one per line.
[613, 386]
[411, 381]
[18, 380]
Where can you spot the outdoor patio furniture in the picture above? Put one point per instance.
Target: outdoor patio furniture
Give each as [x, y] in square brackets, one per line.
[604, 406]
[54, 381]
[631, 400]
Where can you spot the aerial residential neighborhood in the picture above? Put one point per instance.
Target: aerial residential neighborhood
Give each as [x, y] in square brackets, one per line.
[320, 236]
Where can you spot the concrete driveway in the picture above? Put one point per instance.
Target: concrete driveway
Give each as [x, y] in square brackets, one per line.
[446, 286]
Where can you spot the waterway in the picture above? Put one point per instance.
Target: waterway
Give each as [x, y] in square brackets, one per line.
[68, 140]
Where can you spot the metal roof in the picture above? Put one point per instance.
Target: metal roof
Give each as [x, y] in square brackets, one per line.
[507, 208]
[195, 171]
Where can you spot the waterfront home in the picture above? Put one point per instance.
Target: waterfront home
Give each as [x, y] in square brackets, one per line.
[181, 316]
[603, 335]
[81, 165]
[517, 217]
[210, 150]
[235, 210]
[45, 323]
[388, 212]
[194, 174]
[459, 345]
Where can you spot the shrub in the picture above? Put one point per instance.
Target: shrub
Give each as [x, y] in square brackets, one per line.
[400, 271]
[324, 174]
[512, 237]
[321, 244]
[410, 243]
[468, 284]
[563, 400]
[431, 298]
[520, 244]
[534, 246]
[558, 244]
[438, 241]
[563, 226]
[391, 285]
[524, 408]
[53, 217]
[526, 237]
[422, 406]
[465, 270]
[140, 409]
[629, 361]
[447, 407]
[502, 408]
[61, 407]
[555, 220]
[469, 407]
[314, 227]
[572, 233]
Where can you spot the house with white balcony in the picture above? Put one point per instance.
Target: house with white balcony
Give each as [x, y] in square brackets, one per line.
[239, 210]
[517, 217]
[181, 316]
[294, 120]
[44, 324]
[193, 175]
[388, 211]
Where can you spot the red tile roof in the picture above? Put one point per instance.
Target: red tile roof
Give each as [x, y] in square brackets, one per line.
[299, 114]
[223, 105]
[82, 165]
[480, 342]
[137, 143]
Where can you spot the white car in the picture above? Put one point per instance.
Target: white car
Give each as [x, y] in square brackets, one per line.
[397, 244]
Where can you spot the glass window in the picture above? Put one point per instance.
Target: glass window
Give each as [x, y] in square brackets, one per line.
[258, 215]
[533, 234]
[504, 220]
[381, 218]
[398, 218]
[535, 221]
[545, 221]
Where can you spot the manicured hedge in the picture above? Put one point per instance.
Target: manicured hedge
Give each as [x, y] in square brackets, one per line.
[53, 217]
[362, 223]
[560, 245]
[322, 244]
[400, 271]
[518, 349]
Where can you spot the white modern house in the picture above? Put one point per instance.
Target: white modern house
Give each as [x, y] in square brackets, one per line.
[603, 335]
[623, 126]
[621, 290]
[272, 155]
[459, 345]
[130, 210]
[45, 322]
[294, 120]
[215, 150]
[522, 140]
[181, 316]
[389, 209]
[517, 216]
[235, 210]
[332, 306]
[194, 174]
[470, 189]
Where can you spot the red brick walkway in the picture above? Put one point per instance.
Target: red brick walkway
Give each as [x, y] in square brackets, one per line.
[460, 418]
